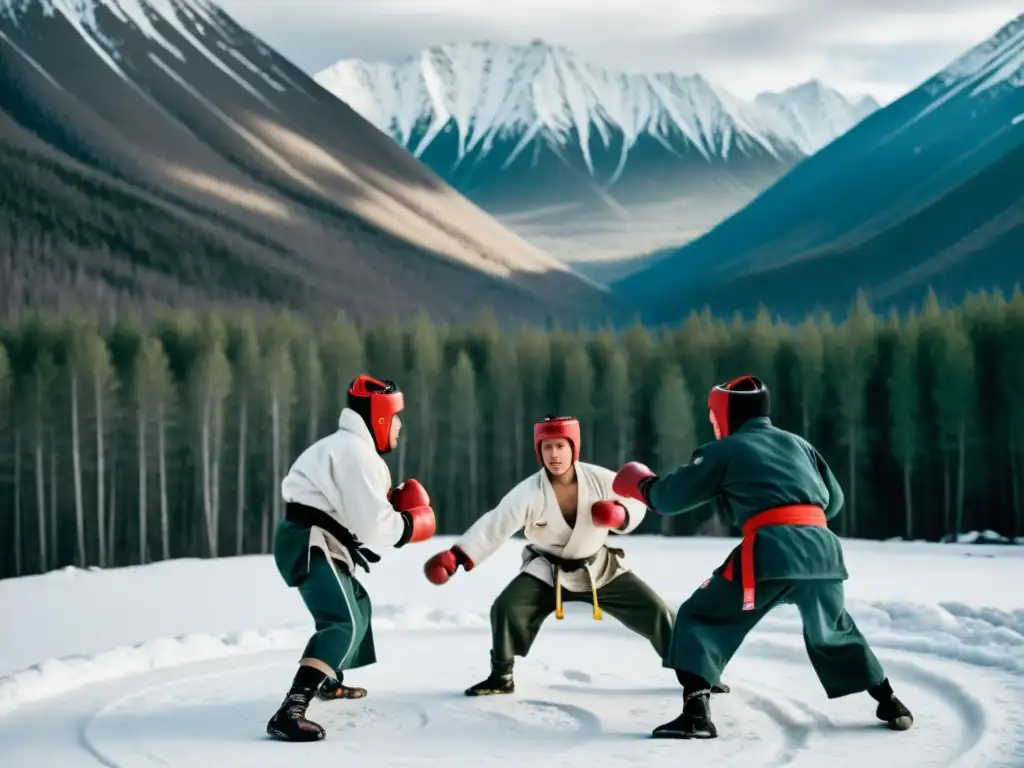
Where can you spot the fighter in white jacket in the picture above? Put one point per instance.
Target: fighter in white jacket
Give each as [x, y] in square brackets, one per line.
[339, 502]
[566, 510]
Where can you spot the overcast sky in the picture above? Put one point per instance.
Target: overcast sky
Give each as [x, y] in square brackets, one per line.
[881, 47]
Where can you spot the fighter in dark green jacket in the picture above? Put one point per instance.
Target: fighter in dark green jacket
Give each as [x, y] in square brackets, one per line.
[777, 487]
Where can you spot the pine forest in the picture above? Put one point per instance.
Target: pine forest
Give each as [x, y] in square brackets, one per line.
[129, 442]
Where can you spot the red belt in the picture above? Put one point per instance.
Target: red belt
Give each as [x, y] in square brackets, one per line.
[795, 514]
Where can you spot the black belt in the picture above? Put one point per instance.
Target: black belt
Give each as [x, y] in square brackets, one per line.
[307, 517]
[561, 563]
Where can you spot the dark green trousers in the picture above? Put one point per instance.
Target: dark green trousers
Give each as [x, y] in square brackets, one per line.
[711, 625]
[519, 611]
[341, 611]
[338, 603]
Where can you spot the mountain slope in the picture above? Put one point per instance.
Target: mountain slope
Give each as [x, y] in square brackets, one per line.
[571, 154]
[157, 151]
[926, 192]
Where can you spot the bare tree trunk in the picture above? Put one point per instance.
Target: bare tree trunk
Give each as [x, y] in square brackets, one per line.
[112, 523]
[205, 438]
[40, 488]
[458, 501]
[161, 436]
[275, 458]
[850, 519]
[53, 495]
[76, 468]
[401, 460]
[243, 427]
[314, 409]
[17, 503]
[101, 474]
[961, 461]
[908, 500]
[519, 439]
[1018, 512]
[140, 419]
[265, 529]
[474, 473]
[947, 494]
[215, 469]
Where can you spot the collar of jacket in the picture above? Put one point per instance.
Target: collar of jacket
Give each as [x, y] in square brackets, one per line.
[758, 422]
[350, 421]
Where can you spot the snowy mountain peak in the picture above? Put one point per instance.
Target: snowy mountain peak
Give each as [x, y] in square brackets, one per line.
[487, 91]
[999, 60]
[188, 18]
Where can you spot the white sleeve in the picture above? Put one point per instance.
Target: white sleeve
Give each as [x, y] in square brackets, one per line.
[364, 485]
[635, 510]
[497, 526]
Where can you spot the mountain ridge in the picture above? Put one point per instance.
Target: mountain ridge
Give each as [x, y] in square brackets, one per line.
[875, 207]
[235, 139]
[635, 103]
[585, 162]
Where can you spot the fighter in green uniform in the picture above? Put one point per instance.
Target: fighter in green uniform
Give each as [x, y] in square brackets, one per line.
[778, 488]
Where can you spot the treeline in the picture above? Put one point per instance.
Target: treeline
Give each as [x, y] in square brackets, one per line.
[130, 442]
[81, 239]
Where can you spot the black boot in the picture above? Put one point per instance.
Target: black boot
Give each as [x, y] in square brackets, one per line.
[290, 723]
[694, 722]
[891, 710]
[498, 682]
[720, 687]
[333, 688]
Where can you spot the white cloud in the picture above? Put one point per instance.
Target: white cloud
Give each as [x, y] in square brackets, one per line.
[882, 47]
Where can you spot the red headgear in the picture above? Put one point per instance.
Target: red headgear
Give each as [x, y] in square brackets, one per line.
[738, 401]
[565, 427]
[377, 402]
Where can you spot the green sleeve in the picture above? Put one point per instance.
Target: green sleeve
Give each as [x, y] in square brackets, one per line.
[835, 493]
[690, 486]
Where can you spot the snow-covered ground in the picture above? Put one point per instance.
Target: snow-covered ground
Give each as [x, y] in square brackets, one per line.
[182, 663]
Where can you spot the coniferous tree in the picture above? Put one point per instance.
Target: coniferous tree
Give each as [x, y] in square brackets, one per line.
[279, 394]
[210, 386]
[420, 422]
[810, 345]
[462, 455]
[1013, 386]
[5, 432]
[905, 413]
[198, 416]
[675, 437]
[344, 358]
[852, 358]
[533, 361]
[954, 394]
[576, 394]
[156, 400]
[613, 422]
[38, 371]
[244, 355]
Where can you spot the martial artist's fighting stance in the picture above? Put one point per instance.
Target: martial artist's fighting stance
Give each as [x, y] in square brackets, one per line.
[339, 502]
[566, 511]
[779, 489]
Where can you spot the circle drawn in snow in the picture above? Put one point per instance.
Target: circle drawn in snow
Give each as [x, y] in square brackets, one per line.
[570, 703]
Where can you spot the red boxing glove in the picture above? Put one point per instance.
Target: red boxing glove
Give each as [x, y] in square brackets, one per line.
[609, 514]
[422, 523]
[629, 478]
[443, 565]
[409, 494]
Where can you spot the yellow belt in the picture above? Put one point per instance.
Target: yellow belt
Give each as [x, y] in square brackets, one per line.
[559, 612]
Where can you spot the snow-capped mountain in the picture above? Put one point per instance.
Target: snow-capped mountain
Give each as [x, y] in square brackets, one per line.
[517, 127]
[926, 192]
[186, 155]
